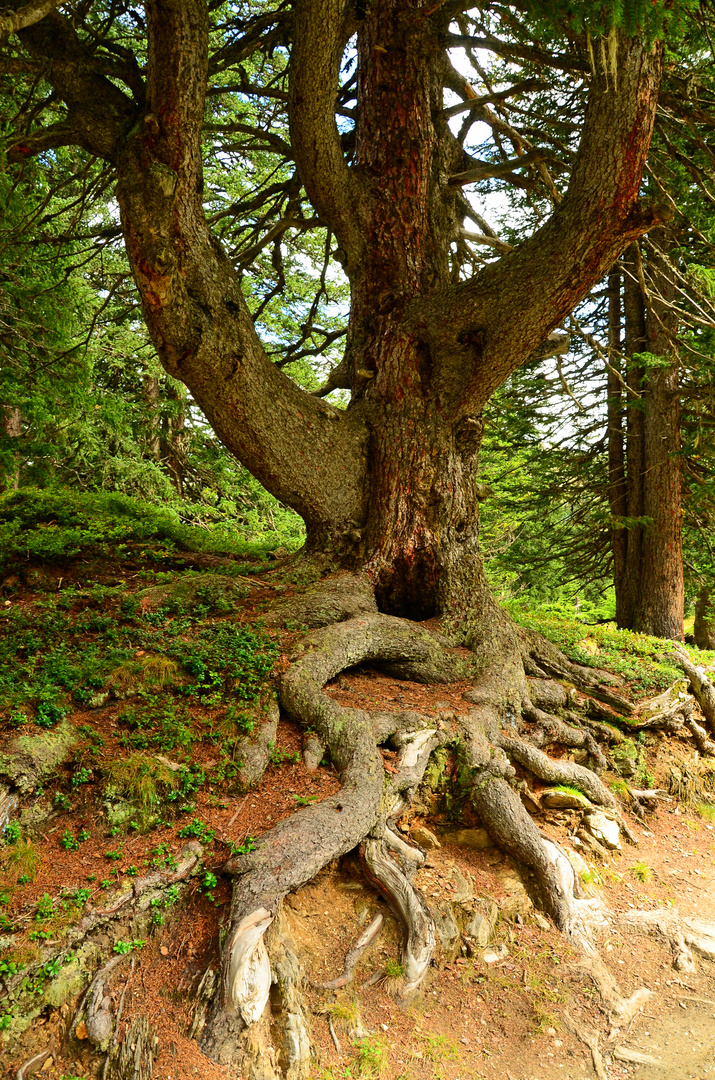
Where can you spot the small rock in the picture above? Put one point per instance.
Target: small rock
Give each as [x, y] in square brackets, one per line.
[476, 839]
[542, 922]
[604, 829]
[479, 929]
[494, 954]
[279, 553]
[425, 838]
[164, 951]
[555, 799]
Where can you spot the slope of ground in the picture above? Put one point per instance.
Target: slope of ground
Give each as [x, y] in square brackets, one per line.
[141, 675]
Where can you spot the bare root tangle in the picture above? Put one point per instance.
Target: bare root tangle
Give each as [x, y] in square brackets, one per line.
[293, 852]
[703, 743]
[550, 729]
[557, 772]
[703, 690]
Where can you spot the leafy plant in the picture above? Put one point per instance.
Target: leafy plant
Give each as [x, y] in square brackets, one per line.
[198, 831]
[13, 832]
[642, 871]
[68, 841]
[124, 947]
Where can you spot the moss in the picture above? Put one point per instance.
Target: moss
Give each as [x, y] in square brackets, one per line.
[31, 758]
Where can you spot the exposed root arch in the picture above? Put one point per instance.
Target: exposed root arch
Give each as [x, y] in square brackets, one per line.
[293, 852]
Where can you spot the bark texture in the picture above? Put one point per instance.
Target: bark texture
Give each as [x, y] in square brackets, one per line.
[647, 503]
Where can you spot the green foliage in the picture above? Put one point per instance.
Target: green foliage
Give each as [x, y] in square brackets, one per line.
[124, 947]
[13, 832]
[640, 659]
[652, 19]
[58, 524]
[198, 831]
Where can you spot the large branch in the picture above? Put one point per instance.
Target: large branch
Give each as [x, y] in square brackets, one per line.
[318, 42]
[308, 454]
[98, 112]
[12, 21]
[504, 312]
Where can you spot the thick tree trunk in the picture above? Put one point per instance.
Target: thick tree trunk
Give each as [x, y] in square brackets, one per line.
[649, 583]
[661, 601]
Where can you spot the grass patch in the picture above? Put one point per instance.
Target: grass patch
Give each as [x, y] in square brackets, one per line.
[642, 660]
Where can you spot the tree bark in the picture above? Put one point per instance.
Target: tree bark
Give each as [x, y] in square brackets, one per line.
[649, 584]
[617, 490]
[704, 629]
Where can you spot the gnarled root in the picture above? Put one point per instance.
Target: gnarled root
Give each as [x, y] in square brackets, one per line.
[294, 851]
[365, 811]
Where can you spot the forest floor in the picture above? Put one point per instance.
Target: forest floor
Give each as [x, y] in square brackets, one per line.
[140, 685]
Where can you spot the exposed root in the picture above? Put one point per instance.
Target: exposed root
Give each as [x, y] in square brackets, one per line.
[590, 1039]
[703, 690]
[358, 948]
[703, 743]
[294, 851]
[419, 943]
[35, 1063]
[248, 978]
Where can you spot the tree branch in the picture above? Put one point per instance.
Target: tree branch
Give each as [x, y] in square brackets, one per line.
[12, 21]
[516, 301]
[318, 41]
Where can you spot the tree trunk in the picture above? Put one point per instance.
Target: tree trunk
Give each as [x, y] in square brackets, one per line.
[661, 601]
[649, 582]
[704, 629]
[12, 429]
[617, 490]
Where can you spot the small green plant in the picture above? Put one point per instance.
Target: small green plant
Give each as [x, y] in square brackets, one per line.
[440, 1048]
[372, 1056]
[81, 776]
[68, 841]
[209, 882]
[394, 969]
[305, 800]
[115, 856]
[198, 831]
[61, 801]
[642, 871]
[124, 947]
[83, 835]
[133, 870]
[45, 908]
[49, 714]
[26, 859]
[279, 756]
[247, 845]
[12, 832]
[5, 1021]
[706, 811]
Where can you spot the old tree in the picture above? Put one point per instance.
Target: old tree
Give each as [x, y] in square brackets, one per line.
[353, 98]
